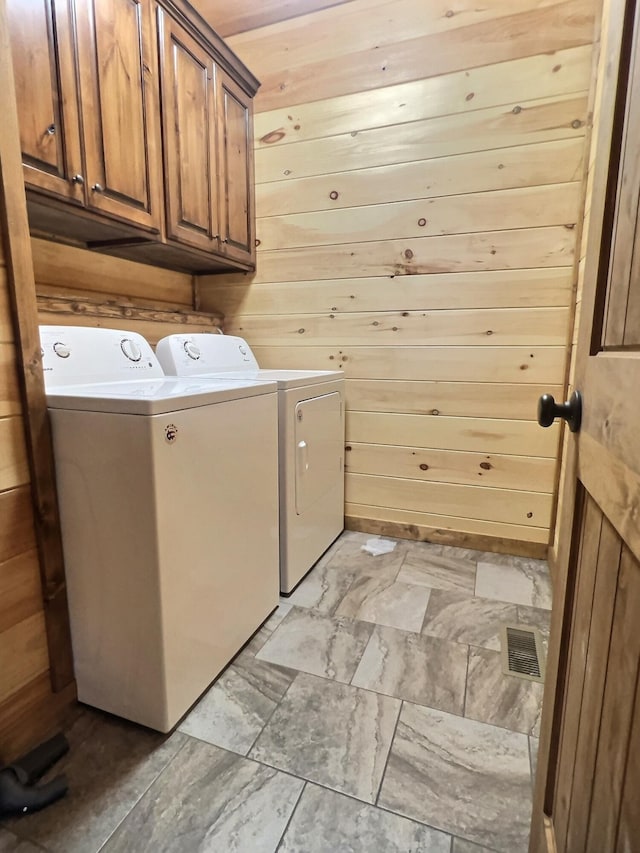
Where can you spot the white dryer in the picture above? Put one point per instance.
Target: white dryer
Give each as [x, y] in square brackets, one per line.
[168, 501]
[311, 427]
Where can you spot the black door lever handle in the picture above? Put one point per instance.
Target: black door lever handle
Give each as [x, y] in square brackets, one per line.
[571, 412]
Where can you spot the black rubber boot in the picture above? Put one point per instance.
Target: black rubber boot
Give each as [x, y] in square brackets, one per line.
[17, 792]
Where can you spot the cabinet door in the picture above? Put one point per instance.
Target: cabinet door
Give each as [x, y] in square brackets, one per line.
[236, 177]
[188, 109]
[42, 49]
[120, 109]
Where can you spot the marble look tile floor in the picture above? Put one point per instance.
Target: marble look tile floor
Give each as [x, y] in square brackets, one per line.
[369, 713]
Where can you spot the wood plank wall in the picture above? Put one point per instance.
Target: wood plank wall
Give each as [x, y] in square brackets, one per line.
[419, 182]
[28, 708]
[24, 659]
[79, 287]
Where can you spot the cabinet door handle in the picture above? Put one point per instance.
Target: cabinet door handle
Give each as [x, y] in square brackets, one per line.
[97, 188]
[77, 179]
[51, 129]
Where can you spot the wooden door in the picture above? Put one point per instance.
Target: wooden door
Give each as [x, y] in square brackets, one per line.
[589, 773]
[41, 38]
[189, 132]
[117, 69]
[236, 177]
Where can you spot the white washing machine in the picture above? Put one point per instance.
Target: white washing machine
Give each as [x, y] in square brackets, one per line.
[168, 500]
[311, 427]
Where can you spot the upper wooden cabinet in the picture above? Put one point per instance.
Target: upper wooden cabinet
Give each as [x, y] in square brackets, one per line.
[235, 163]
[120, 109]
[45, 74]
[190, 137]
[140, 124]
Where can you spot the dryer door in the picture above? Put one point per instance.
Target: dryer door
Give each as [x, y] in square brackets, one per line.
[319, 446]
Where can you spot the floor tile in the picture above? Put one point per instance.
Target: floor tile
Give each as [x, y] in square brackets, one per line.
[460, 553]
[529, 563]
[526, 582]
[462, 846]
[385, 602]
[332, 734]
[536, 617]
[317, 644]
[345, 537]
[326, 822]
[323, 589]
[235, 710]
[421, 669]
[210, 800]
[534, 743]
[260, 637]
[10, 843]
[463, 777]
[351, 558]
[449, 551]
[353, 536]
[438, 571]
[502, 700]
[109, 767]
[464, 618]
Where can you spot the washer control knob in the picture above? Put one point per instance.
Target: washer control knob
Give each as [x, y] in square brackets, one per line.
[192, 350]
[61, 349]
[242, 349]
[131, 349]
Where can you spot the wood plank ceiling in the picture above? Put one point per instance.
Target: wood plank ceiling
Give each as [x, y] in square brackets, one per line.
[232, 18]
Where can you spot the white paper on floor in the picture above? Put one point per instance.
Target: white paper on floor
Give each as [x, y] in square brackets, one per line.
[376, 547]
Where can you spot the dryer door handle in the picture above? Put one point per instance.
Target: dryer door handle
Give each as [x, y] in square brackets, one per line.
[303, 459]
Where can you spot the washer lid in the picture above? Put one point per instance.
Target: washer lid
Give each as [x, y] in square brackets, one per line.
[153, 396]
[297, 378]
[283, 378]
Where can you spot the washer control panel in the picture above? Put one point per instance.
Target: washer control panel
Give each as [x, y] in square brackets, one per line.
[192, 350]
[184, 355]
[61, 349]
[74, 355]
[131, 349]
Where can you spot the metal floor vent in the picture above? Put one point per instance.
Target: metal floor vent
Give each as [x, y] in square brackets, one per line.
[522, 654]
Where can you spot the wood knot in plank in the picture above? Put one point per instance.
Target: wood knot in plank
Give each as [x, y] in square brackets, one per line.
[273, 136]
